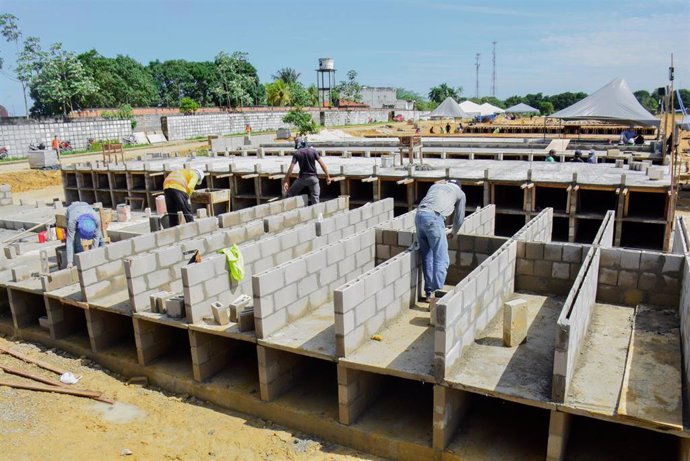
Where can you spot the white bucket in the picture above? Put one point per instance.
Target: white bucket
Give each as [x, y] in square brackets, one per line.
[161, 209]
[124, 213]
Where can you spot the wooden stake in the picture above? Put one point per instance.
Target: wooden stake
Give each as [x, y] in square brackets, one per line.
[58, 390]
[40, 363]
[27, 375]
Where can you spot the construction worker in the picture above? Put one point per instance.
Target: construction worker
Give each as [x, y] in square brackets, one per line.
[442, 199]
[177, 188]
[83, 223]
[306, 157]
[551, 156]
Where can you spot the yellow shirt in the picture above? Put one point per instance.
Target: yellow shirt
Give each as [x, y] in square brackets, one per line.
[183, 180]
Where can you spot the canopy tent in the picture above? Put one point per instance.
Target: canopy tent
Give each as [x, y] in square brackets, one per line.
[471, 108]
[613, 102]
[448, 109]
[685, 123]
[491, 109]
[522, 108]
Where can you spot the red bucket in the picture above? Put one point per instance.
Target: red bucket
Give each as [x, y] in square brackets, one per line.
[42, 237]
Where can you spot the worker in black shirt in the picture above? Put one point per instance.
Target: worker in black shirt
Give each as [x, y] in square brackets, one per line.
[306, 157]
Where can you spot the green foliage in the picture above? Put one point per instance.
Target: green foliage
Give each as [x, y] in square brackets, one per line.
[491, 100]
[278, 93]
[287, 74]
[124, 112]
[188, 105]
[302, 96]
[545, 107]
[438, 93]
[301, 120]
[350, 89]
[647, 101]
[234, 83]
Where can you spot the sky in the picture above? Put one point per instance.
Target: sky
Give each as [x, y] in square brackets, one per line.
[547, 46]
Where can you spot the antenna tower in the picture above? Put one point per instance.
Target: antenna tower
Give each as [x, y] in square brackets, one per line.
[493, 73]
[476, 66]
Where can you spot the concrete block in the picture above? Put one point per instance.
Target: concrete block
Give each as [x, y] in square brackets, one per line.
[246, 320]
[572, 254]
[630, 259]
[514, 322]
[560, 271]
[608, 276]
[174, 307]
[238, 305]
[221, 313]
[553, 252]
[627, 279]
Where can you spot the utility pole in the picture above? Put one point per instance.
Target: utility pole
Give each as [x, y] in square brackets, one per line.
[476, 66]
[493, 72]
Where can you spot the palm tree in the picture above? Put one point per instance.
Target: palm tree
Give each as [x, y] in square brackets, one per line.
[441, 92]
[278, 93]
[286, 74]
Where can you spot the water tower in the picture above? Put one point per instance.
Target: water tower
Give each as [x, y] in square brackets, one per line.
[325, 81]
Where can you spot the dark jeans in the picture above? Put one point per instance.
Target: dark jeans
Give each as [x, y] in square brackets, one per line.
[310, 182]
[176, 200]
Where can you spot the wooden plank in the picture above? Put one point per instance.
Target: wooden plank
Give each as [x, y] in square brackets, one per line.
[58, 390]
[404, 181]
[370, 179]
[24, 374]
[40, 363]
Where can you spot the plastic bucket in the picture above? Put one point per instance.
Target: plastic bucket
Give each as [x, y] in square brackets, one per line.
[42, 237]
[161, 209]
[124, 213]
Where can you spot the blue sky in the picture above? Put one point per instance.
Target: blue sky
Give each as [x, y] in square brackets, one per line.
[548, 46]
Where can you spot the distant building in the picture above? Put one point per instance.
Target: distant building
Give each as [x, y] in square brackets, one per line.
[384, 98]
[3, 112]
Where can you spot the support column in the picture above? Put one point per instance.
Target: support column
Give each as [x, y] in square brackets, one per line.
[210, 354]
[278, 371]
[559, 429]
[356, 391]
[62, 321]
[450, 407]
[152, 340]
[107, 329]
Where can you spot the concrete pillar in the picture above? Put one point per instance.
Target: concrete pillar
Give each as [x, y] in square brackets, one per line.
[684, 449]
[63, 321]
[152, 340]
[514, 322]
[559, 429]
[450, 407]
[210, 354]
[107, 329]
[278, 371]
[356, 391]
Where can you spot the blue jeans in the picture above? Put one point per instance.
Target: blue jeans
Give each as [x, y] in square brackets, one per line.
[433, 248]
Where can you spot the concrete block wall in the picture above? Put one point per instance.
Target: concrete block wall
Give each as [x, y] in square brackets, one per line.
[288, 219]
[374, 299]
[538, 229]
[548, 268]
[286, 292]
[235, 218]
[5, 195]
[573, 323]
[101, 270]
[160, 270]
[355, 117]
[367, 216]
[467, 252]
[469, 307]
[632, 277]
[390, 243]
[404, 222]
[604, 237]
[180, 127]
[208, 281]
[684, 315]
[233, 143]
[481, 222]
[17, 134]
[680, 236]
[357, 390]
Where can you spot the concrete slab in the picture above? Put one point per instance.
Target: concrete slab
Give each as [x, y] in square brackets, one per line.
[406, 349]
[70, 294]
[521, 373]
[162, 319]
[230, 330]
[312, 335]
[605, 348]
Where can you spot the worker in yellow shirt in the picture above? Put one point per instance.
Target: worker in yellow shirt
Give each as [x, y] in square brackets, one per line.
[177, 188]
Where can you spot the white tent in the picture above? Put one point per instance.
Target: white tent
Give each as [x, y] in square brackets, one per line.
[489, 109]
[471, 108]
[522, 108]
[448, 109]
[613, 102]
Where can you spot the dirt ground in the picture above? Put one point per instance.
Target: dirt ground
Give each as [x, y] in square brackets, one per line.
[144, 420]
[25, 180]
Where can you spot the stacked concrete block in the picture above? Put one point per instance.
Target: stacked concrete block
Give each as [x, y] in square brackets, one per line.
[107, 329]
[374, 299]
[288, 219]
[481, 222]
[152, 340]
[548, 268]
[356, 391]
[450, 407]
[210, 353]
[684, 314]
[468, 308]
[404, 222]
[680, 236]
[288, 291]
[632, 277]
[573, 323]
[63, 320]
[278, 371]
[604, 237]
[102, 270]
[466, 252]
[354, 117]
[514, 322]
[5, 195]
[184, 127]
[538, 229]
[209, 281]
[390, 243]
[236, 218]
[351, 222]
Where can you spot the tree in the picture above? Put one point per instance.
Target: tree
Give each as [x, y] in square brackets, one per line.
[567, 99]
[287, 74]
[61, 81]
[188, 106]
[513, 100]
[647, 100]
[493, 101]
[438, 93]
[301, 120]
[278, 93]
[10, 31]
[302, 96]
[545, 107]
[173, 80]
[350, 89]
[234, 83]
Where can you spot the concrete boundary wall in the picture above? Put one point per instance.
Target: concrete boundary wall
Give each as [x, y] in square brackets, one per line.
[367, 216]
[538, 229]
[287, 219]
[632, 277]
[684, 315]
[209, 281]
[468, 308]
[469, 251]
[373, 300]
[160, 270]
[404, 222]
[288, 291]
[680, 236]
[481, 222]
[235, 218]
[548, 268]
[102, 270]
[573, 323]
[604, 237]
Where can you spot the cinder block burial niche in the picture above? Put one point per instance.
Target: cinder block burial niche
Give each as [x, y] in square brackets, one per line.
[245, 186]
[239, 203]
[26, 308]
[508, 224]
[647, 204]
[221, 182]
[270, 188]
[596, 202]
[559, 229]
[105, 198]
[119, 181]
[389, 188]
[490, 428]
[420, 190]
[111, 332]
[137, 182]
[329, 191]
[508, 197]
[67, 321]
[163, 346]
[586, 229]
[224, 361]
[396, 408]
[6, 325]
[69, 178]
[88, 196]
[360, 192]
[597, 440]
[642, 235]
[551, 197]
[103, 180]
[474, 195]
